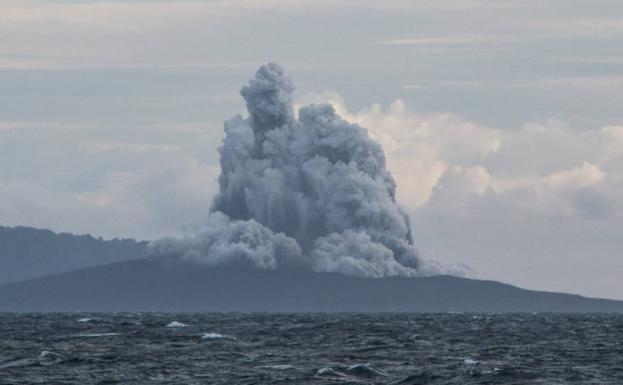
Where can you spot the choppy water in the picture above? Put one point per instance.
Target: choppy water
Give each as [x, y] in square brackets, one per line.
[311, 349]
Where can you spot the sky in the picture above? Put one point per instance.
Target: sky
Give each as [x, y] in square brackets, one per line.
[501, 120]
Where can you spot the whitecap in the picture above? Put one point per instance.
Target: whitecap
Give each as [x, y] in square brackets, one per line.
[325, 372]
[216, 336]
[470, 361]
[175, 324]
[278, 367]
[48, 358]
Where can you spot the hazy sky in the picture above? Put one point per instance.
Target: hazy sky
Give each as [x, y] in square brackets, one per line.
[502, 121]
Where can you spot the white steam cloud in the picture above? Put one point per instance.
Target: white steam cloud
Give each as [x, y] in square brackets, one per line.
[308, 192]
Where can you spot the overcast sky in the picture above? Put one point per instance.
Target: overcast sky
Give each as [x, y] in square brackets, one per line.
[502, 121]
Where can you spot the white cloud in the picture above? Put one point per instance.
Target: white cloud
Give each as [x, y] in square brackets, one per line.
[423, 149]
[512, 204]
[585, 175]
[419, 147]
[615, 132]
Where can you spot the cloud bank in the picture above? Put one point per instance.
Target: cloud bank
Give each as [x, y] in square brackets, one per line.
[307, 191]
[520, 205]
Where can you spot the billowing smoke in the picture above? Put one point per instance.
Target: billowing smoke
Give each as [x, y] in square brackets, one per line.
[308, 192]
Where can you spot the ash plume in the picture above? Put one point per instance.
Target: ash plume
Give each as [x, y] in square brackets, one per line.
[308, 191]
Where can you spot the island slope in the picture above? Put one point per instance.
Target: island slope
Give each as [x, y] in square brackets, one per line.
[144, 285]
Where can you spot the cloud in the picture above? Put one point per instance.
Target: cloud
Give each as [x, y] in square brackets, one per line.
[145, 205]
[83, 32]
[419, 147]
[435, 148]
[188, 34]
[585, 175]
[84, 178]
[514, 204]
[64, 35]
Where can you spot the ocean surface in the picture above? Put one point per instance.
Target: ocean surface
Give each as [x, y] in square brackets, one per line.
[310, 349]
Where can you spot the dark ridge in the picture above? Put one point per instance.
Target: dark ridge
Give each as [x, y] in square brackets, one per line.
[26, 252]
[145, 285]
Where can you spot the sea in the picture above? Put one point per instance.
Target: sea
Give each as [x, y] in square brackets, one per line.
[257, 348]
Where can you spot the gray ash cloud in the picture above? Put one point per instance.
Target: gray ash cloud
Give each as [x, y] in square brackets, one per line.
[308, 191]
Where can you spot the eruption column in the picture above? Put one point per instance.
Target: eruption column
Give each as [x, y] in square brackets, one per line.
[308, 192]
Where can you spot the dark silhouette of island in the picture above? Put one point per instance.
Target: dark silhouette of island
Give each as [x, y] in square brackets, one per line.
[149, 285]
[26, 252]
